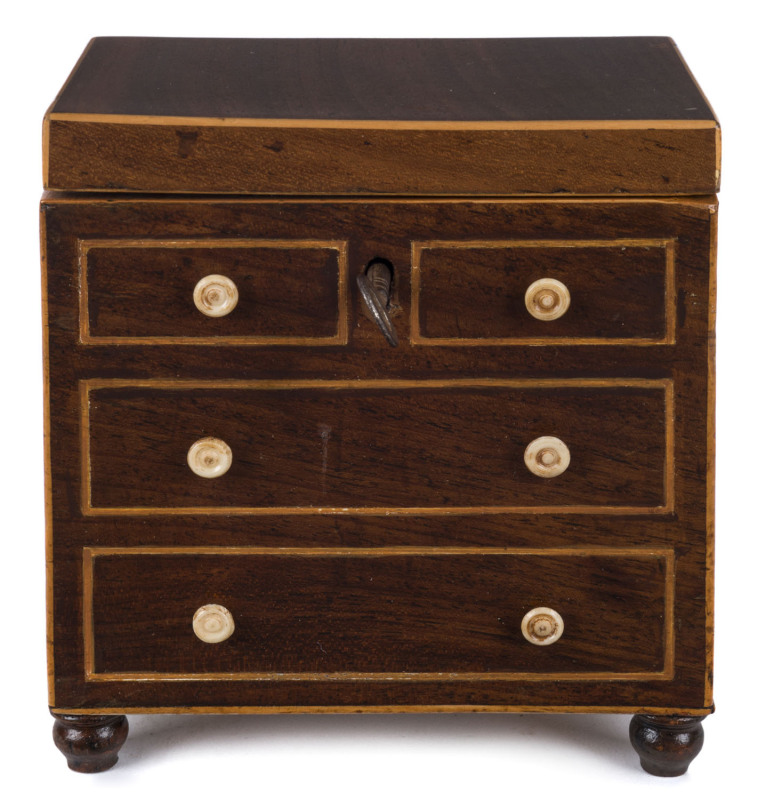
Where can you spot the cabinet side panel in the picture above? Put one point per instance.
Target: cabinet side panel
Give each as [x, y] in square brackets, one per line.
[47, 460]
[711, 407]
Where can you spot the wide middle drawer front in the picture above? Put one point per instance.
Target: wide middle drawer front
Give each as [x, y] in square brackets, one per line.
[363, 446]
[387, 614]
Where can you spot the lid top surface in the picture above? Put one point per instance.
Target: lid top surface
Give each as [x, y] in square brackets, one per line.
[514, 80]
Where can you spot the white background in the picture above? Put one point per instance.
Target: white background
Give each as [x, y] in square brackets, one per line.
[471, 756]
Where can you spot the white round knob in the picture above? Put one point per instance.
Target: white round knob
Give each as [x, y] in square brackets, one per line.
[209, 457]
[542, 626]
[216, 295]
[546, 457]
[213, 623]
[547, 299]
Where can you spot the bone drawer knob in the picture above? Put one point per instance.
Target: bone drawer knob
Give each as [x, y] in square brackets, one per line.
[216, 295]
[209, 457]
[213, 623]
[542, 626]
[547, 299]
[546, 457]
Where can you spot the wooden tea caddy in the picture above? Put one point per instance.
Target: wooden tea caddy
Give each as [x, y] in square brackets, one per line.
[379, 377]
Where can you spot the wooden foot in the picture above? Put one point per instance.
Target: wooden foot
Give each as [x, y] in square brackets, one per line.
[90, 743]
[666, 745]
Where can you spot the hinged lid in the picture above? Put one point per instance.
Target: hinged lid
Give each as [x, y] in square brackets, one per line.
[377, 116]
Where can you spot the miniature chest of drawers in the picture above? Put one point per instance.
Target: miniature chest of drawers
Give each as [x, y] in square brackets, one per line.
[379, 378]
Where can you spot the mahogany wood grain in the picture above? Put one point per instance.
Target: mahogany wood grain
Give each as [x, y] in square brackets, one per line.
[451, 446]
[289, 290]
[619, 290]
[367, 116]
[385, 229]
[377, 616]
[386, 79]
[262, 496]
[91, 154]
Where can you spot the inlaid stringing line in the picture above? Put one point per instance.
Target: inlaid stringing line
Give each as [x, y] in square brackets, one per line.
[386, 124]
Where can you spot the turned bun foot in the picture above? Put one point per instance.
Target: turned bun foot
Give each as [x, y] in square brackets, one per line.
[666, 745]
[90, 743]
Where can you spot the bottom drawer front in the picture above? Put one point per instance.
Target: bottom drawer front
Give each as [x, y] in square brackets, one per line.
[374, 614]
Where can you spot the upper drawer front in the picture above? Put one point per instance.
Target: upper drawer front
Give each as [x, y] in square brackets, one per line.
[478, 292]
[370, 614]
[346, 446]
[143, 292]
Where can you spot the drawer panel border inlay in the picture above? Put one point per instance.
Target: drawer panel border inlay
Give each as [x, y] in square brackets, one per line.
[340, 338]
[91, 553]
[417, 338]
[664, 384]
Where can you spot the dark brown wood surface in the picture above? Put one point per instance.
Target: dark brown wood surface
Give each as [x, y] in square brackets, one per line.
[285, 291]
[448, 615]
[131, 155]
[418, 446]
[666, 744]
[90, 743]
[405, 117]
[618, 290]
[387, 230]
[625, 78]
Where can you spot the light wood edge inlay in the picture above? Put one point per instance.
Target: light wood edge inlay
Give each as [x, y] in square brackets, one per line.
[373, 677]
[670, 292]
[88, 641]
[389, 124]
[718, 153]
[46, 149]
[60, 197]
[85, 469]
[91, 553]
[403, 709]
[371, 511]
[670, 455]
[417, 338]
[92, 384]
[84, 246]
[670, 606]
